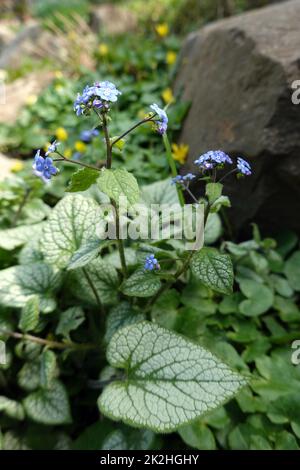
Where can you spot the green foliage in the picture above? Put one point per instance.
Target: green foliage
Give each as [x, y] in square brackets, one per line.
[197, 351]
[168, 379]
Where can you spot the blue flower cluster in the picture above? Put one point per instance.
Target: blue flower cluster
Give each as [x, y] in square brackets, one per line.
[183, 179]
[162, 122]
[96, 96]
[151, 263]
[244, 167]
[43, 167]
[218, 158]
[210, 159]
[88, 135]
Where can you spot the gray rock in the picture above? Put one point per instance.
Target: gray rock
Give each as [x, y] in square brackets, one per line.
[113, 19]
[238, 74]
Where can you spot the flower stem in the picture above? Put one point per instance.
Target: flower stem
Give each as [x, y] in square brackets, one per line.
[49, 343]
[143, 121]
[92, 286]
[67, 160]
[107, 141]
[120, 241]
[173, 168]
[181, 270]
[117, 217]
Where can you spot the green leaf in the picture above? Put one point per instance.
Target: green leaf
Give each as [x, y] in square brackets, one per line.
[281, 285]
[28, 376]
[11, 408]
[213, 192]
[286, 441]
[119, 183]
[222, 201]
[19, 283]
[104, 278]
[82, 179]
[93, 436]
[292, 270]
[169, 380]
[214, 269]
[73, 222]
[48, 369]
[14, 237]
[121, 315]
[30, 314]
[70, 320]
[86, 253]
[198, 435]
[260, 298]
[213, 229]
[129, 439]
[49, 406]
[141, 284]
[160, 192]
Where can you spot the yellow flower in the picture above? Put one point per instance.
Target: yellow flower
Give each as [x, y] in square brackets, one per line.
[58, 88]
[58, 74]
[171, 57]
[180, 152]
[31, 99]
[162, 29]
[168, 96]
[61, 133]
[68, 153]
[103, 49]
[80, 146]
[17, 166]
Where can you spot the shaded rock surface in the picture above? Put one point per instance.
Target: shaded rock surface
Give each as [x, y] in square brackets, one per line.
[238, 75]
[113, 19]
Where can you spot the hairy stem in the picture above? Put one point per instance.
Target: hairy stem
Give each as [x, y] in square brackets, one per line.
[120, 241]
[117, 217]
[181, 270]
[92, 286]
[173, 168]
[143, 121]
[107, 141]
[75, 162]
[49, 343]
[21, 206]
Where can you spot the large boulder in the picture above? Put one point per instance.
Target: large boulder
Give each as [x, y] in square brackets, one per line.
[238, 75]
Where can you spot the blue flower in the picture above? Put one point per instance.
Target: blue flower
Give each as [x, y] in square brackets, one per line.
[212, 158]
[52, 148]
[183, 179]
[177, 180]
[43, 167]
[244, 167]
[88, 135]
[151, 263]
[107, 91]
[96, 96]
[189, 177]
[162, 122]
